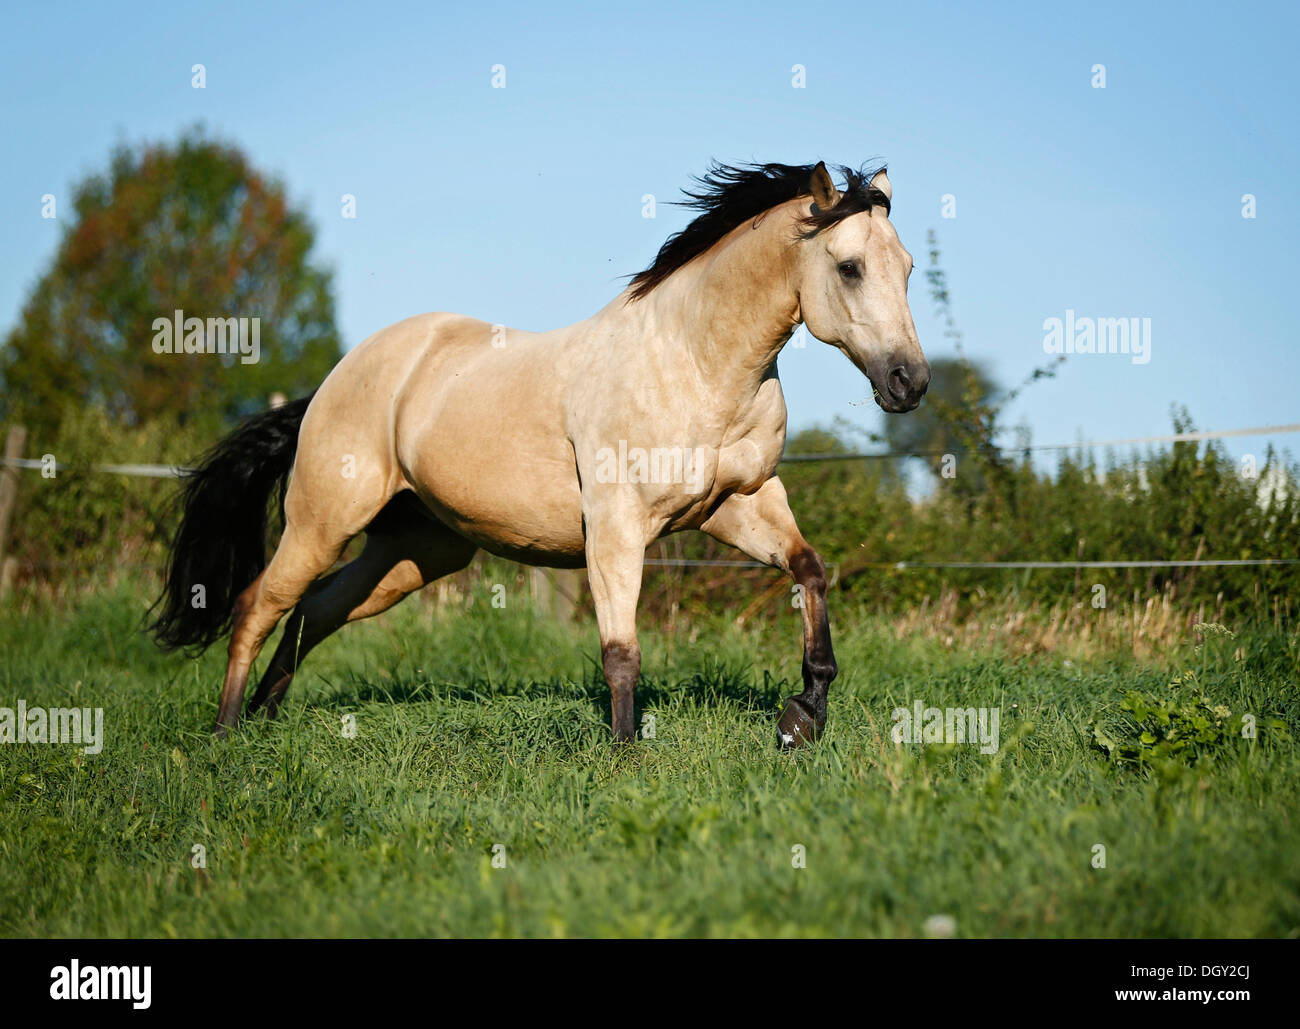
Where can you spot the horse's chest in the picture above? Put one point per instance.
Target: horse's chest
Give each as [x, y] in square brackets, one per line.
[756, 436]
[751, 447]
[745, 465]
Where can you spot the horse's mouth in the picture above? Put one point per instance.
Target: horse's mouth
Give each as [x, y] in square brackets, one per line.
[891, 406]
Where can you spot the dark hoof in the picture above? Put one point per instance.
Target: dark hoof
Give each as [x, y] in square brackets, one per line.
[797, 727]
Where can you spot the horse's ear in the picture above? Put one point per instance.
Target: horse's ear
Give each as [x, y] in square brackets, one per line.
[880, 181]
[824, 193]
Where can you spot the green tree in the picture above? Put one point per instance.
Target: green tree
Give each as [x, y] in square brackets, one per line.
[190, 227]
[815, 440]
[957, 388]
[961, 411]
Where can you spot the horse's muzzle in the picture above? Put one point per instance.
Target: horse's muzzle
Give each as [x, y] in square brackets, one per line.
[905, 385]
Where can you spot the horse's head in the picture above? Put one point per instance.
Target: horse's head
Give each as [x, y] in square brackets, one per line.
[852, 281]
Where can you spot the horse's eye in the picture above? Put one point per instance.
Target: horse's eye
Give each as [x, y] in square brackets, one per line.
[849, 269]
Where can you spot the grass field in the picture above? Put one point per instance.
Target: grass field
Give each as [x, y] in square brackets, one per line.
[488, 727]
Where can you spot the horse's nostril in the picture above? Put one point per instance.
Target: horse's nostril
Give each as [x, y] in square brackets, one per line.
[900, 383]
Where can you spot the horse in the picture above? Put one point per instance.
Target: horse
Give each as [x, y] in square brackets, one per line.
[580, 446]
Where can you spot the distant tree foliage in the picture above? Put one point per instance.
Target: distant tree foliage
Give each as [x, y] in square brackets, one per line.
[960, 418]
[191, 228]
[1185, 501]
[957, 389]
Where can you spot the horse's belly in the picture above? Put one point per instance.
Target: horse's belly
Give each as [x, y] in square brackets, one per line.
[519, 502]
[479, 437]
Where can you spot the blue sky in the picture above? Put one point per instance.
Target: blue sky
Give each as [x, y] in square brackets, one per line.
[522, 205]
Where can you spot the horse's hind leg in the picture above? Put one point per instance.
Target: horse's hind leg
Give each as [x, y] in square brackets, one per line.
[302, 556]
[404, 550]
[762, 526]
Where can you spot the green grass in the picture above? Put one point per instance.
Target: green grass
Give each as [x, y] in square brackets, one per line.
[487, 727]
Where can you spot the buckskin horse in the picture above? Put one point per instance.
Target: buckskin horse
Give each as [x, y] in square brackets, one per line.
[442, 434]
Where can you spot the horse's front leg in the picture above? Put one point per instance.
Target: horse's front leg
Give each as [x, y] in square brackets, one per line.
[615, 557]
[762, 526]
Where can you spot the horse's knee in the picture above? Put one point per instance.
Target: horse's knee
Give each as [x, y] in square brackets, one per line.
[809, 570]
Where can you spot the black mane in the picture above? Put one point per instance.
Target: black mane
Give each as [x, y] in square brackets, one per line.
[731, 194]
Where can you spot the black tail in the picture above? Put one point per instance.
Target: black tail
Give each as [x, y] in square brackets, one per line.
[221, 542]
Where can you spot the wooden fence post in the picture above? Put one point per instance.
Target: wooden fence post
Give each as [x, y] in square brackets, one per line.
[568, 590]
[555, 591]
[15, 440]
[542, 589]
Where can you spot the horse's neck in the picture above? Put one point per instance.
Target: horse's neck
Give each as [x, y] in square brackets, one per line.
[734, 307]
